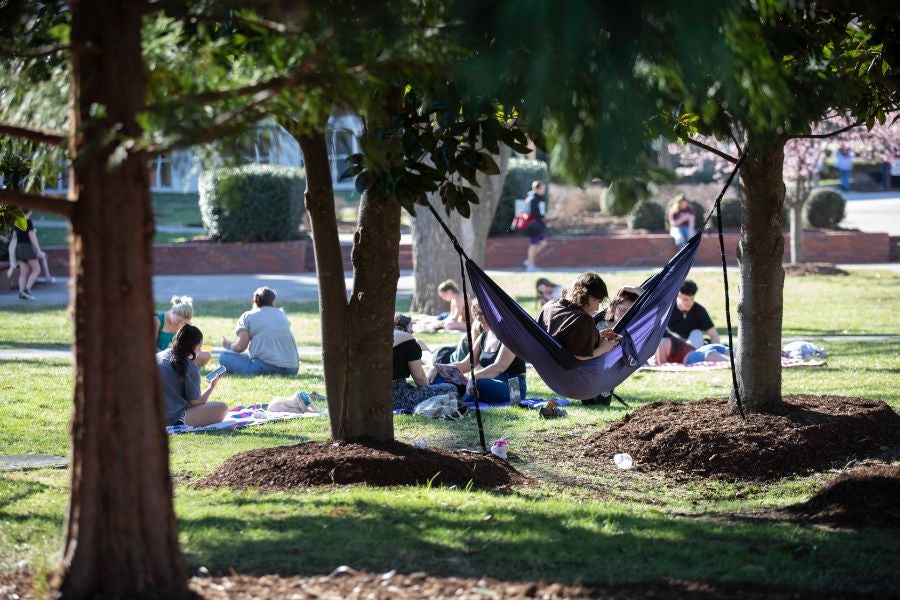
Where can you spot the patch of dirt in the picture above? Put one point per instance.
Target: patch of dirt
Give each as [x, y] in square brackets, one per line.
[801, 269]
[345, 582]
[708, 438]
[373, 463]
[348, 583]
[857, 498]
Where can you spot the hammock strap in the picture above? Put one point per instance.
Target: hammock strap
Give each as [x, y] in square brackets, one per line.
[718, 207]
[465, 291]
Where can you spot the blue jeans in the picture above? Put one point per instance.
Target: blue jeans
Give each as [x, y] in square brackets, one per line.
[845, 180]
[492, 391]
[242, 364]
[681, 234]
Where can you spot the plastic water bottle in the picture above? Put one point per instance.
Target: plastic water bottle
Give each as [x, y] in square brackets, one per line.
[623, 460]
[515, 392]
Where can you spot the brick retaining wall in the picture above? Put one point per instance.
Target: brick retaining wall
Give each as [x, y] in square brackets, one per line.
[648, 250]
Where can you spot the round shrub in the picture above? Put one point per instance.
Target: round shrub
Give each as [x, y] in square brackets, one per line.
[622, 195]
[824, 208]
[252, 203]
[520, 172]
[732, 214]
[648, 215]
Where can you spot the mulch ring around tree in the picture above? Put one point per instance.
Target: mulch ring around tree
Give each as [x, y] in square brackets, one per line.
[372, 463]
[708, 438]
[869, 496]
[345, 582]
[801, 269]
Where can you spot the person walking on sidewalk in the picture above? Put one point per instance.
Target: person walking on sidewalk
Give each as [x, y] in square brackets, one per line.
[28, 255]
[537, 239]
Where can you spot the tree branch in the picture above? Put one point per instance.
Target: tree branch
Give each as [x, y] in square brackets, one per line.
[55, 204]
[735, 142]
[822, 136]
[41, 136]
[718, 153]
[36, 53]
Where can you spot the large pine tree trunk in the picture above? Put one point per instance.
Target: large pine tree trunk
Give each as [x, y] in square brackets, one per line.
[761, 251]
[434, 258]
[121, 536]
[330, 270]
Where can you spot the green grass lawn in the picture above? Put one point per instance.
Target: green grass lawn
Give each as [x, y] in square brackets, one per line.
[576, 524]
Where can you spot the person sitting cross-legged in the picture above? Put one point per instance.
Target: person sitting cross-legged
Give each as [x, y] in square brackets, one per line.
[265, 333]
[407, 362]
[688, 324]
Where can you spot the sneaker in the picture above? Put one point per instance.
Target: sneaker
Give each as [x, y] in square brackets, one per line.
[551, 410]
[26, 295]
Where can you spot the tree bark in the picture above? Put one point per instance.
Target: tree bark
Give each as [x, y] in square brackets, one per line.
[760, 252]
[434, 258]
[330, 271]
[121, 536]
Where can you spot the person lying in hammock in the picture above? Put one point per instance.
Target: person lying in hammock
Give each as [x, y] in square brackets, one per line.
[570, 322]
[622, 301]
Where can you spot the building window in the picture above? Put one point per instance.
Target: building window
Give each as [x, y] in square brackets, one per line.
[341, 144]
[161, 172]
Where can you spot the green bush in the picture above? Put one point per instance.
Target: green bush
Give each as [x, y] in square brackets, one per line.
[732, 214]
[824, 208]
[648, 215]
[520, 172]
[252, 203]
[622, 195]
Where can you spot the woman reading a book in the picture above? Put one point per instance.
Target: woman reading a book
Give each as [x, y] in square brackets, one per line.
[495, 365]
[407, 362]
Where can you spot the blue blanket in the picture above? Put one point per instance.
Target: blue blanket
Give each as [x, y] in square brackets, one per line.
[241, 416]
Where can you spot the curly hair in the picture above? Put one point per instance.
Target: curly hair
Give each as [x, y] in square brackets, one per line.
[588, 285]
[624, 296]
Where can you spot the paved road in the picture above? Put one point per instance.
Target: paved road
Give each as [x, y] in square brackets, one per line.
[873, 213]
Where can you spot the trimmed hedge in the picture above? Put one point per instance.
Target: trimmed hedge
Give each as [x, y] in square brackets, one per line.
[520, 172]
[732, 213]
[252, 203]
[622, 195]
[824, 208]
[648, 215]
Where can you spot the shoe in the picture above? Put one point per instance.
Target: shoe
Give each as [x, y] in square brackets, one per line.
[26, 295]
[598, 400]
[551, 410]
[48, 280]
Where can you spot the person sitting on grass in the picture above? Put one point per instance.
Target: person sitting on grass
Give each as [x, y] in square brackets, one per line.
[688, 324]
[495, 365]
[169, 322]
[570, 322]
[407, 362]
[452, 320]
[547, 290]
[265, 333]
[179, 378]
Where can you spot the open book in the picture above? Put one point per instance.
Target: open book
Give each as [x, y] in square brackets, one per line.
[451, 374]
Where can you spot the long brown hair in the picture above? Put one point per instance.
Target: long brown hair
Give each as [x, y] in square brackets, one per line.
[587, 285]
[183, 344]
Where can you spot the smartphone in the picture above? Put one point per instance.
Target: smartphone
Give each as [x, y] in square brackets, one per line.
[609, 335]
[216, 373]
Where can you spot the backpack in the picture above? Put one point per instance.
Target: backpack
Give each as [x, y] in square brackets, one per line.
[525, 224]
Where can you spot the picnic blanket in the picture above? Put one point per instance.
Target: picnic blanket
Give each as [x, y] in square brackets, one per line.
[242, 416]
[786, 363]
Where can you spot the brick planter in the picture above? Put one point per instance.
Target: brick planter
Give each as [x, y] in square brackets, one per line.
[640, 250]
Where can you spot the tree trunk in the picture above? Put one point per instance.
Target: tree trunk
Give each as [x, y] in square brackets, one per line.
[121, 536]
[434, 258]
[796, 209]
[761, 250]
[376, 245]
[330, 271]
[356, 334]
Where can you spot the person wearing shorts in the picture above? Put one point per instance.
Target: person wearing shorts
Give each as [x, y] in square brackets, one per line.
[536, 236]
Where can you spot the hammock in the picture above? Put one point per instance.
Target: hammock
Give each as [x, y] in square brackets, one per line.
[642, 327]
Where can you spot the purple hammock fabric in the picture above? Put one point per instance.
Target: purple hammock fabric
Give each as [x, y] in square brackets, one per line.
[641, 328]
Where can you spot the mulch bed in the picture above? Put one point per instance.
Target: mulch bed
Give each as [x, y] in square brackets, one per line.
[860, 497]
[373, 463]
[708, 439]
[801, 269]
[345, 582]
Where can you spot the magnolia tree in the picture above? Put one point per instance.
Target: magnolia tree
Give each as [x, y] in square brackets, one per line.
[804, 159]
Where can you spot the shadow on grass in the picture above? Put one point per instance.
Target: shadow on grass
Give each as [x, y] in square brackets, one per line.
[578, 544]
